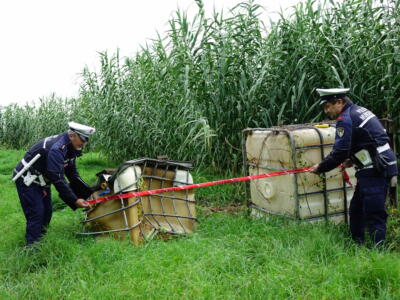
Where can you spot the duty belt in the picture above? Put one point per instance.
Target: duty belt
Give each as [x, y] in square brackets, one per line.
[379, 149]
[383, 148]
[32, 177]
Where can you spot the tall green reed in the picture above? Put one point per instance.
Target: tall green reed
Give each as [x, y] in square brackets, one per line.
[22, 126]
[188, 94]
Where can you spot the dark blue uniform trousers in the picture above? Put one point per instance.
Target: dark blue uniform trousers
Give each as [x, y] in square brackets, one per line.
[36, 204]
[367, 209]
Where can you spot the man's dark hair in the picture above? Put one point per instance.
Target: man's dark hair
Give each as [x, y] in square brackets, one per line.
[345, 99]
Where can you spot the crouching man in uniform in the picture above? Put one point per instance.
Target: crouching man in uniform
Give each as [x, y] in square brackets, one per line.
[44, 164]
[360, 140]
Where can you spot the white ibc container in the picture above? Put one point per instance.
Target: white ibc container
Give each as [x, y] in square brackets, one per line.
[162, 214]
[127, 180]
[304, 195]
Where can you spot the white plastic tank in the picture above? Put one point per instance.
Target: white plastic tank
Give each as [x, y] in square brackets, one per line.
[127, 180]
[304, 195]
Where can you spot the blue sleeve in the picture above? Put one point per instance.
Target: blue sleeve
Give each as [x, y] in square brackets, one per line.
[55, 173]
[71, 171]
[77, 184]
[341, 147]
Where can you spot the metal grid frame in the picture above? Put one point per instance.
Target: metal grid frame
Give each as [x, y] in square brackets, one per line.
[294, 149]
[391, 131]
[155, 164]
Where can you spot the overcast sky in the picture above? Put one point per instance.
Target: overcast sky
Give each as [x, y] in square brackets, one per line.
[45, 44]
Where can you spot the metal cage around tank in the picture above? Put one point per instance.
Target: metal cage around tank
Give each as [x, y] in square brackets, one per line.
[288, 131]
[155, 213]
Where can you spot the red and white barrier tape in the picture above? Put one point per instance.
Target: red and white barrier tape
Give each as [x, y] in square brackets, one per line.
[195, 186]
[210, 183]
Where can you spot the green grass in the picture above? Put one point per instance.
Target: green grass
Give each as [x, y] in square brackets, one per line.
[229, 257]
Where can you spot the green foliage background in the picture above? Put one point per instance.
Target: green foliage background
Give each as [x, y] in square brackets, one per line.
[190, 93]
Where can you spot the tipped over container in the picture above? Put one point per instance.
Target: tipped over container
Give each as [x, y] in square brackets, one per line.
[141, 218]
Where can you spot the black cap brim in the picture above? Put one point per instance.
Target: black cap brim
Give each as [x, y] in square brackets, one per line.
[330, 98]
[83, 138]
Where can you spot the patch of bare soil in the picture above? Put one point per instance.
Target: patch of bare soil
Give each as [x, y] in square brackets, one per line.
[229, 208]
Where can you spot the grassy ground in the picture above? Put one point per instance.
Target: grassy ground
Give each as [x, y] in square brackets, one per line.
[229, 257]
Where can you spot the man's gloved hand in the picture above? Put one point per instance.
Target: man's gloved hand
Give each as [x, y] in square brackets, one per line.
[82, 203]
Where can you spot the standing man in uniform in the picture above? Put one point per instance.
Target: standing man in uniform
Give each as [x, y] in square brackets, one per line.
[360, 140]
[46, 163]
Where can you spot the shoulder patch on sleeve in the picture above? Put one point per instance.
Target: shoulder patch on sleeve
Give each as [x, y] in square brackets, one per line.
[340, 131]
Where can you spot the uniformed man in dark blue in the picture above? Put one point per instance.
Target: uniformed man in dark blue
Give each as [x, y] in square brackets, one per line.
[44, 164]
[360, 140]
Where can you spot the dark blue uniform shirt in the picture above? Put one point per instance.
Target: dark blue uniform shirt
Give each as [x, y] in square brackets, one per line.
[58, 159]
[358, 128]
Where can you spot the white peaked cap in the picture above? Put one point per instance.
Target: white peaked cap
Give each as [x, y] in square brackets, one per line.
[329, 94]
[82, 130]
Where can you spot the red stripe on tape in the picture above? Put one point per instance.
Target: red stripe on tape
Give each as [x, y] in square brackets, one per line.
[195, 186]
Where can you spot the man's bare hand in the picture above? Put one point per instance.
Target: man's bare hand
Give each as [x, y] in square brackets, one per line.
[314, 169]
[82, 203]
[347, 163]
